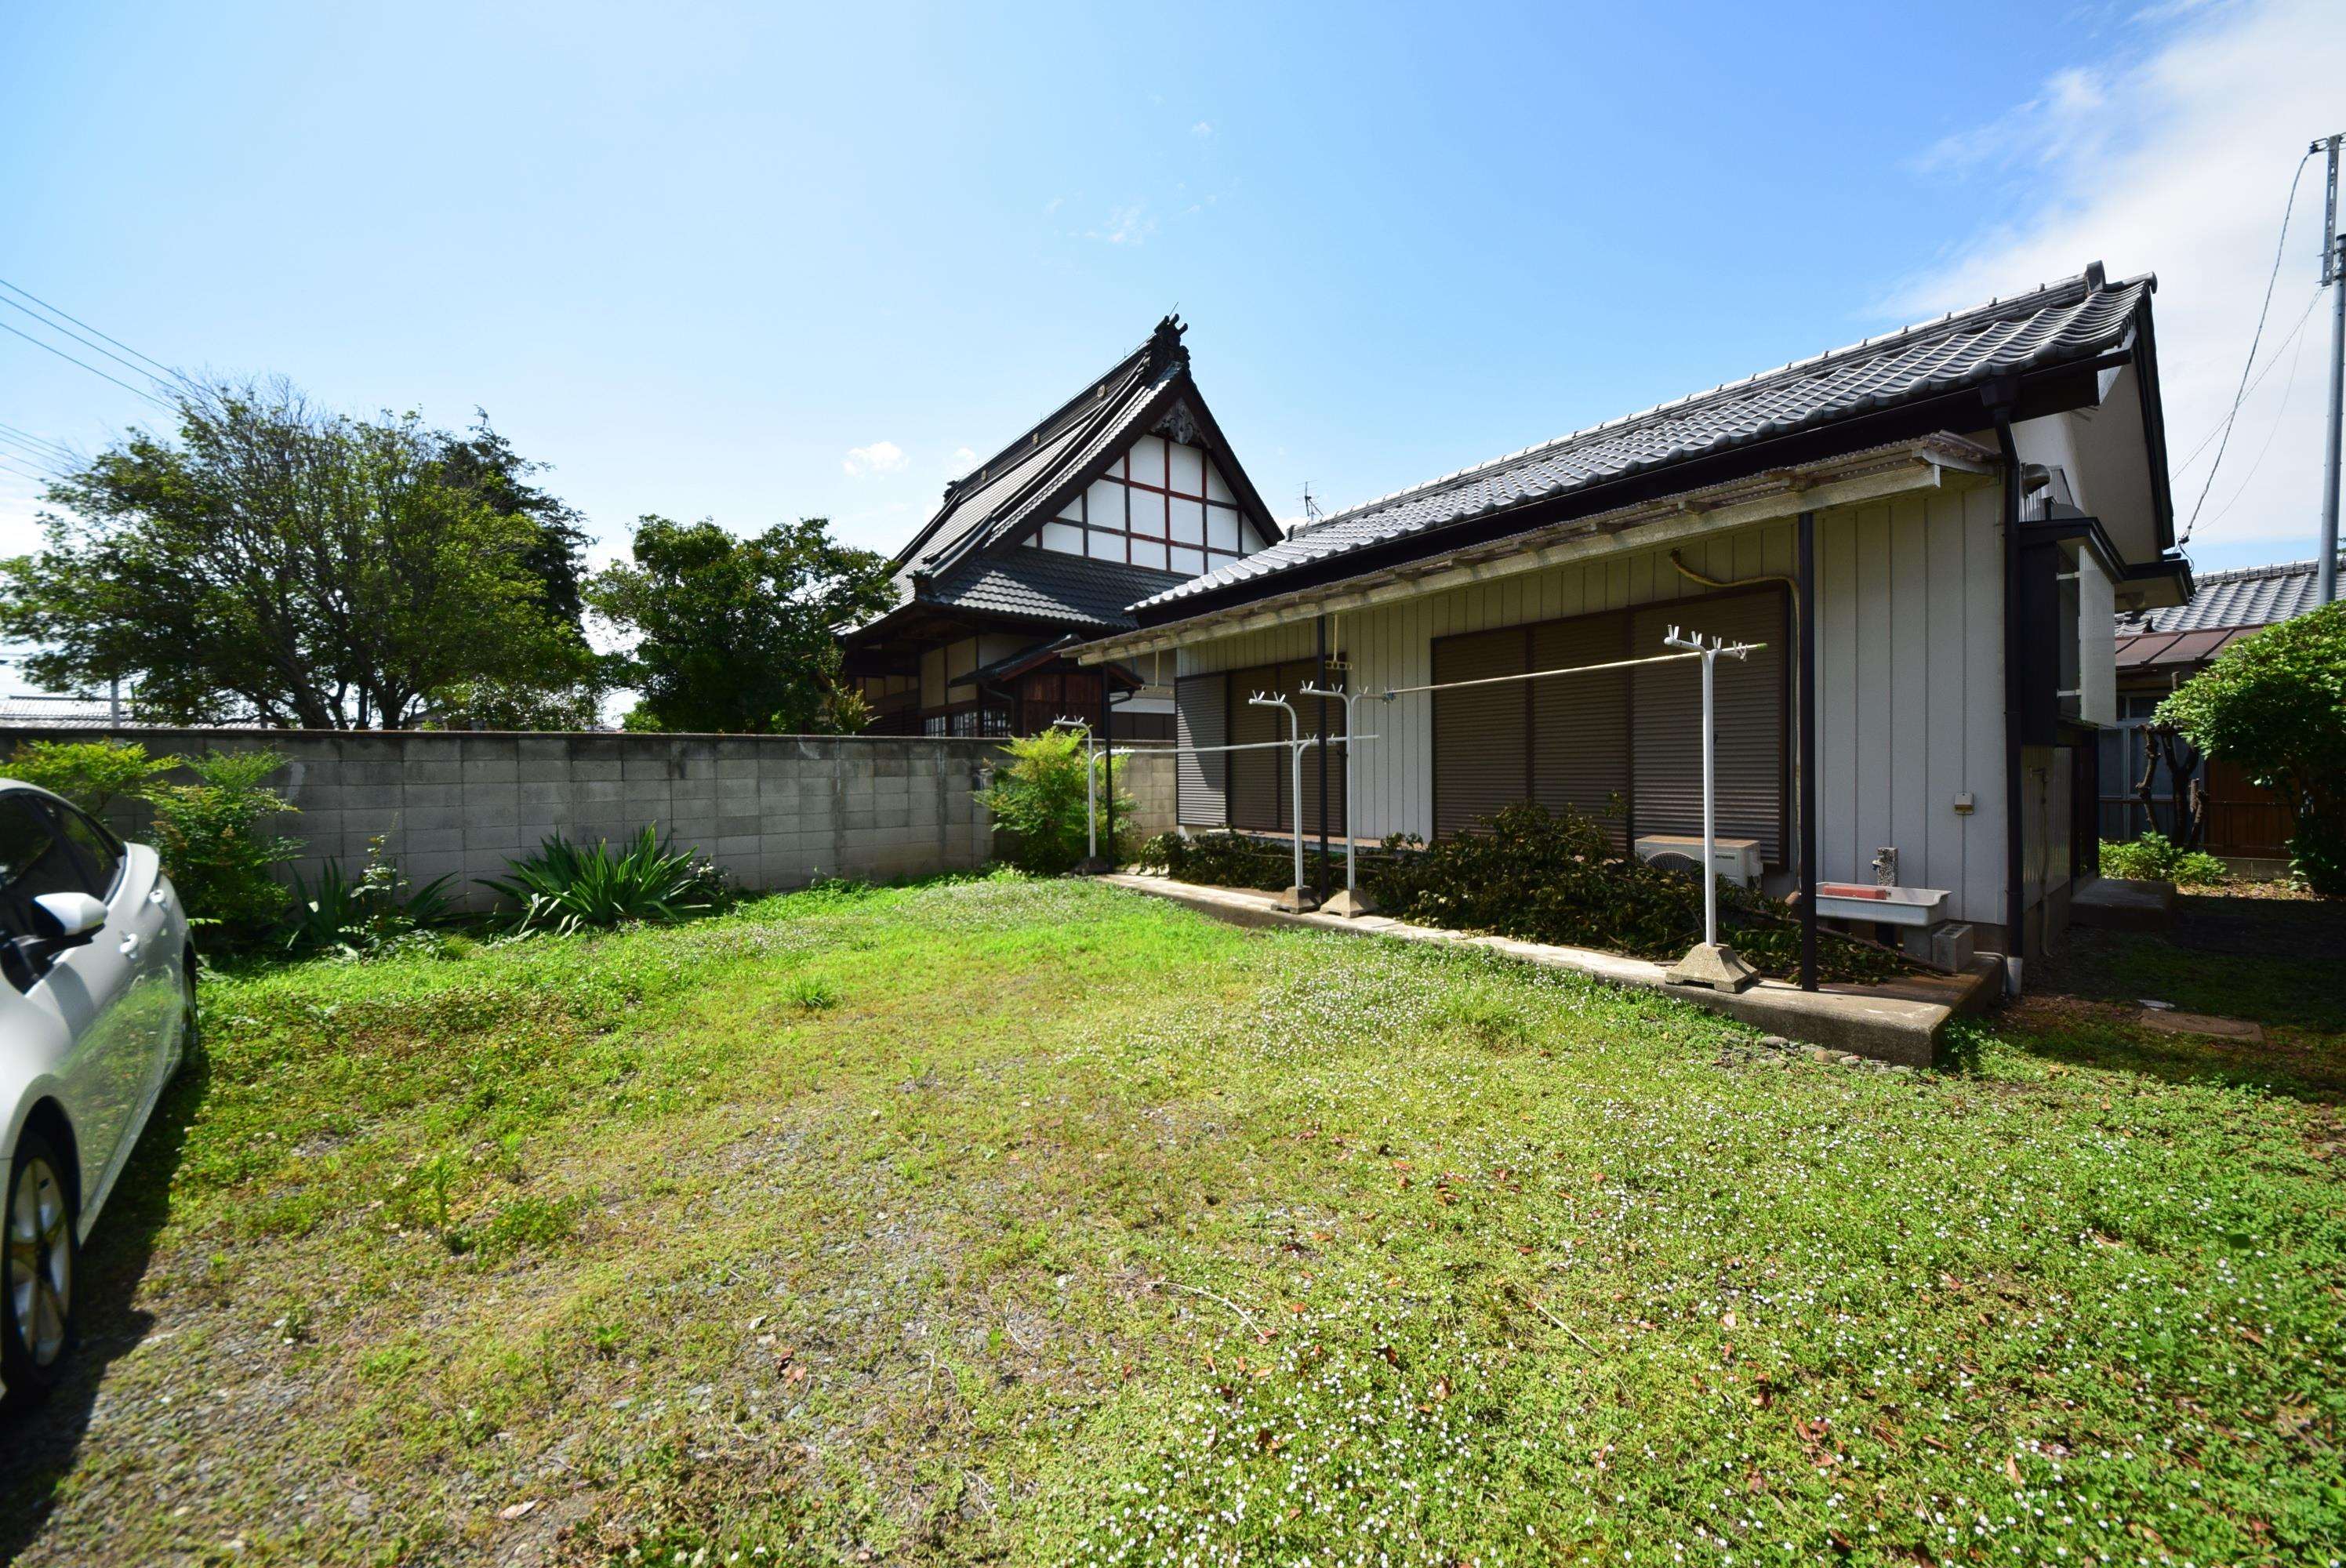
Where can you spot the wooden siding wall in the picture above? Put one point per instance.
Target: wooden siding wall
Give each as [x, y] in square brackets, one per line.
[1910, 676]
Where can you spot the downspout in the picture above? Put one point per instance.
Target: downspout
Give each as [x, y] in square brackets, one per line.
[1805, 599]
[2015, 867]
[1320, 680]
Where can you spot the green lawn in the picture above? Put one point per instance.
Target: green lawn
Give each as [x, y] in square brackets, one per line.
[1028, 1222]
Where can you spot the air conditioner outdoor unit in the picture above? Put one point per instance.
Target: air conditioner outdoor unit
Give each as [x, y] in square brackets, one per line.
[1736, 860]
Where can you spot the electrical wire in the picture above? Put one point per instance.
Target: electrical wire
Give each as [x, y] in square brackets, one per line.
[2280, 414]
[36, 478]
[85, 343]
[84, 365]
[2279, 248]
[168, 372]
[25, 451]
[26, 435]
[2279, 349]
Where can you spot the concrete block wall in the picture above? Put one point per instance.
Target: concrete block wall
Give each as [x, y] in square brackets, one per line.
[776, 812]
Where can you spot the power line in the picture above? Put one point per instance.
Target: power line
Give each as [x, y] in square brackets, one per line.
[84, 365]
[20, 474]
[59, 448]
[2213, 431]
[2280, 414]
[2262, 311]
[25, 451]
[85, 327]
[85, 343]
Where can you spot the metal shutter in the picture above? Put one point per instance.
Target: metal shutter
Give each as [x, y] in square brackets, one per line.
[1580, 723]
[1257, 779]
[1479, 759]
[1201, 785]
[1667, 721]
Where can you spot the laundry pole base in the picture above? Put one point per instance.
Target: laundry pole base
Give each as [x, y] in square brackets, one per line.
[1715, 965]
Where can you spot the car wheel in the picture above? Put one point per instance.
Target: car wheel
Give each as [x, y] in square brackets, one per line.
[37, 1280]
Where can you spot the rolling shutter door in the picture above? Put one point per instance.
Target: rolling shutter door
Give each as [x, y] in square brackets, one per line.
[1480, 760]
[1257, 779]
[1201, 785]
[1580, 723]
[1667, 721]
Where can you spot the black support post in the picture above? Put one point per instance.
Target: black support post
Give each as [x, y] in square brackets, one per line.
[1320, 680]
[1806, 612]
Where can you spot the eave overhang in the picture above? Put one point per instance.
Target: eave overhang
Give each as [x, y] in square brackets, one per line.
[1939, 461]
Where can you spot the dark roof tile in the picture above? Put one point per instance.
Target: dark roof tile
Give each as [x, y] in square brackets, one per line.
[2074, 320]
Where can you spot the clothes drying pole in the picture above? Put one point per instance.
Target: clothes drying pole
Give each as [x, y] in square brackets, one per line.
[1298, 898]
[1091, 803]
[1710, 962]
[1352, 902]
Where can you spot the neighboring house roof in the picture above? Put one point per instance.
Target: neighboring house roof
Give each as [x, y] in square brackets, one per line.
[2145, 649]
[62, 712]
[1047, 586]
[1011, 493]
[2245, 597]
[2076, 319]
[2228, 607]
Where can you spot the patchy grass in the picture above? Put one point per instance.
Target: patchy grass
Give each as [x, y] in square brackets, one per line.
[1011, 1221]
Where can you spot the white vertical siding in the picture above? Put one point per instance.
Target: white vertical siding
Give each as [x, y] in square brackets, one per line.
[1909, 679]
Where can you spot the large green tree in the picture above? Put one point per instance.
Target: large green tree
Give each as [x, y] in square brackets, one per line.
[287, 565]
[740, 636]
[2276, 705]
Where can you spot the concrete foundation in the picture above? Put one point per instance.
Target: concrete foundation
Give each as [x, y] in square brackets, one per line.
[1901, 1022]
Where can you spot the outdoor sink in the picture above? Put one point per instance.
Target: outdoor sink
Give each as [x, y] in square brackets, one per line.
[1866, 901]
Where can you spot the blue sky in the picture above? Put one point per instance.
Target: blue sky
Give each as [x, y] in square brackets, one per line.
[754, 263]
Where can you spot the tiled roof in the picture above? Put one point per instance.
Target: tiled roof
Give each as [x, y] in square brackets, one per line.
[60, 712]
[995, 498]
[2246, 597]
[1047, 585]
[2074, 319]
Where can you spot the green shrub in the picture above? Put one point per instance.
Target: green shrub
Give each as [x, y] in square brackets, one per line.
[1553, 877]
[1225, 860]
[2275, 704]
[363, 914]
[1038, 797]
[2152, 858]
[213, 840]
[90, 773]
[565, 886]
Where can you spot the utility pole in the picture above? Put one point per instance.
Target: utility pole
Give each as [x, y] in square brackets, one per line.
[2333, 278]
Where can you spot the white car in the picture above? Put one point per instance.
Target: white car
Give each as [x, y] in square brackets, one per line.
[98, 1008]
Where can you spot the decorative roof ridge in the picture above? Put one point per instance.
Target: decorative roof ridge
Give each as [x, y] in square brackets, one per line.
[2305, 568]
[2086, 285]
[1162, 346]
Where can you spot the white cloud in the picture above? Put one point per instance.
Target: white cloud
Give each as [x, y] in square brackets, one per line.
[1202, 129]
[1053, 205]
[1125, 226]
[2175, 160]
[960, 460]
[880, 457]
[2066, 120]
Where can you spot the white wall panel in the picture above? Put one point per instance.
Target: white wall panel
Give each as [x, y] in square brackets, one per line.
[1910, 672]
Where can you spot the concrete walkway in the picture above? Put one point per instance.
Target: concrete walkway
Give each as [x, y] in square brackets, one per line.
[1899, 1022]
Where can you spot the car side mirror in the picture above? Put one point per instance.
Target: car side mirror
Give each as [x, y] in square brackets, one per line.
[61, 920]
